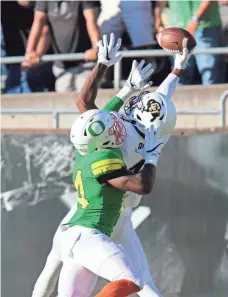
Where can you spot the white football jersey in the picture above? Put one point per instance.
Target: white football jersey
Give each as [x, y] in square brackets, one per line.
[133, 141]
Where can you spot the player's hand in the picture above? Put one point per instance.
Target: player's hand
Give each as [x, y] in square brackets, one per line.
[181, 59]
[138, 78]
[153, 145]
[107, 53]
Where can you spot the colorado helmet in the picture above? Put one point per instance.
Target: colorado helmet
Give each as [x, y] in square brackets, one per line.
[152, 109]
[97, 129]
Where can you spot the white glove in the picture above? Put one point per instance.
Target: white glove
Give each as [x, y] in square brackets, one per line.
[153, 145]
[181, 59]
[107, 52]
[137, 80]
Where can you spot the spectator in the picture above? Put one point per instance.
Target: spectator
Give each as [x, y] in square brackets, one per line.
[63, 20]
[16, 22]
[202, 20]
[135, 17]
[223, 2]
[3, 67]
[224, 20]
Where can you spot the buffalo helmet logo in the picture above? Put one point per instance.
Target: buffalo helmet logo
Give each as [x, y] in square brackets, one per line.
[154, 107]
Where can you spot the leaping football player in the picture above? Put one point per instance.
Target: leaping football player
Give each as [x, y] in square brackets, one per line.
[101, 180]
[136, 109]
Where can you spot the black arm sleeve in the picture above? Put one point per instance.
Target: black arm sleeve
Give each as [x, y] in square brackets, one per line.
[114, 174]
[121, 172]
[137, 167]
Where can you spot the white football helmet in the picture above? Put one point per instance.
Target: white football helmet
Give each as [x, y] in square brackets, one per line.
[151, 109]
[97, 129]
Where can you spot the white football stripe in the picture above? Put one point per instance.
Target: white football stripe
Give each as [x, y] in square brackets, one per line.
[159, 38]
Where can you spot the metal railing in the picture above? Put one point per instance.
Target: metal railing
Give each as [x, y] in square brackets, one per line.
[118, 66]
[56, 112]
[117, 79]
[126, 54]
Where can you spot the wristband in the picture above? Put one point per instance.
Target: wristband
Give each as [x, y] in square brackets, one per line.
[124, 93]
[152, 159]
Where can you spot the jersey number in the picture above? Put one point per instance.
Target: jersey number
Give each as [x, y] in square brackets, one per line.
[80, 188]
[141, 146]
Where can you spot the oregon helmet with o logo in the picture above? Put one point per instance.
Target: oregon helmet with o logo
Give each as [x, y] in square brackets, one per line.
[153, 109]
[97, 129]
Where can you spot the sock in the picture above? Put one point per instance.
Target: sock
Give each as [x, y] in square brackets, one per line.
[119, 288]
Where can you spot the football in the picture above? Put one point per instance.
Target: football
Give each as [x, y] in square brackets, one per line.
[171, 39]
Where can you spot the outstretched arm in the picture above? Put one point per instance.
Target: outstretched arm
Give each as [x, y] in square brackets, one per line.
[106, 58]
[137, 81]
[86, 97]
[168, 86]
[142, 182]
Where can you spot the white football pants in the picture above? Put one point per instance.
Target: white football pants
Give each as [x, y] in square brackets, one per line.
[124, 235]
[88, 252]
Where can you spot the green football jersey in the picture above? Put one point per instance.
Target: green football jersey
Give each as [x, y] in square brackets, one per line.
[99, 205]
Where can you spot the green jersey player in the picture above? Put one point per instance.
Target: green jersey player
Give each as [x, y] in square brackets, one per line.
[98, 205]
[101, 179]
[85, 101]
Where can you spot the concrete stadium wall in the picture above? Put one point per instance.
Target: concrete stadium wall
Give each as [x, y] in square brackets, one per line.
[194, 97]
[184, 238]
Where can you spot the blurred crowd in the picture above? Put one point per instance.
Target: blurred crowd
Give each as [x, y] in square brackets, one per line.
[35, 28]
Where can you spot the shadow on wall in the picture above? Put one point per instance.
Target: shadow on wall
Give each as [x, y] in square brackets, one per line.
[187, 247]
[36, 172]
[27, 234]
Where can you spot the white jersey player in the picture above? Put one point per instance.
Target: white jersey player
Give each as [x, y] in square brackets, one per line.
[123, 234]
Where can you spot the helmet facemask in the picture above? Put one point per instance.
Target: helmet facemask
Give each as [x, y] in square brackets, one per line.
[97, 129]
[151, 109]
[118, 130]
[129, 108]
[133, 102]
